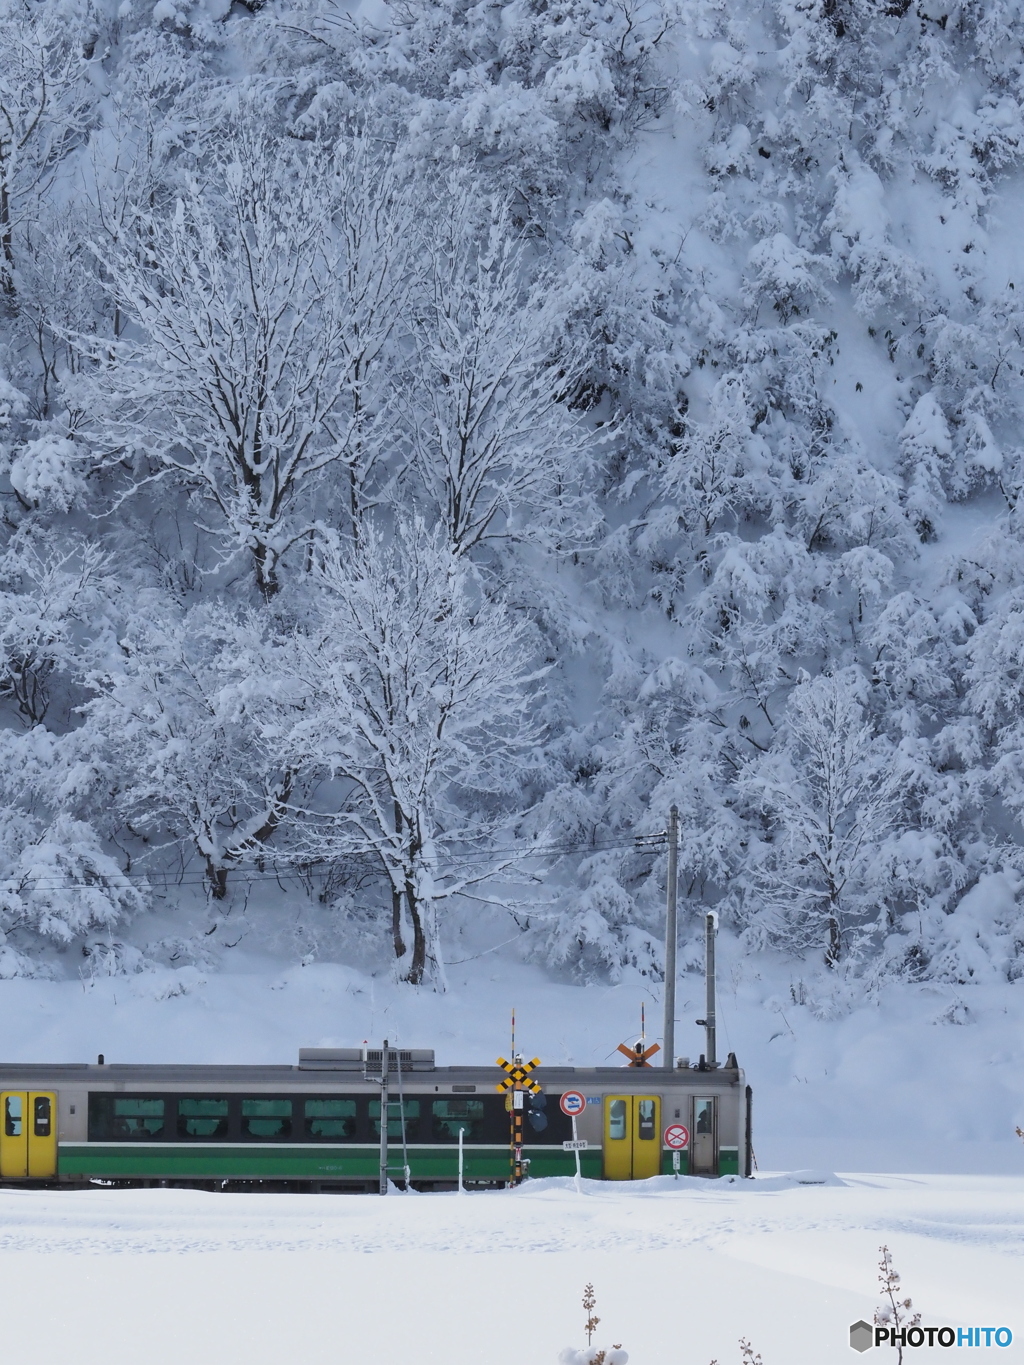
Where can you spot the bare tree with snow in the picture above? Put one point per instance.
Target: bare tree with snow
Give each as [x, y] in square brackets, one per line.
[498, 453]
[262, 311]
[46, 105]
[830, 796]
[408, 691]
[177, 698]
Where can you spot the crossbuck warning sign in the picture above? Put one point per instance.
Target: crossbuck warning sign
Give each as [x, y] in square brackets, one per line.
[638, 1054]
[518, 1076]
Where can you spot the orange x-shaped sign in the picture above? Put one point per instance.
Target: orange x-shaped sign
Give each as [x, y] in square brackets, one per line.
[638, 1054]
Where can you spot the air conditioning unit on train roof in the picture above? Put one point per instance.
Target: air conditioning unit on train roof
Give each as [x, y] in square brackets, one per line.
[365, 1059]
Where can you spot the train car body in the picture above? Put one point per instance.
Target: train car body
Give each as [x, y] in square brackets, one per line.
[317, 1125]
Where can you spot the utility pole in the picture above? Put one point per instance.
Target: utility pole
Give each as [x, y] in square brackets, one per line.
[385, 1060]
[709, 1060]
[671, 934]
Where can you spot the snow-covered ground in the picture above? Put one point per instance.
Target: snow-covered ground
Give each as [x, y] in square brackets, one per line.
[681, 1271]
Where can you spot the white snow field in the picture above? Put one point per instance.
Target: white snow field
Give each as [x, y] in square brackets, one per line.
[681, 1271]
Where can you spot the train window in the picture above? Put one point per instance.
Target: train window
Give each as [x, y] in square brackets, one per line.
[703, 1117]
[41, 1116]
[411, 1109]
[451, 1115]
[264, 1119]
[126, 1118]
[136, 1117]
[202, 1118]
[332, 1119]
[617, 1120]
[12, 1116]
[645, 1120]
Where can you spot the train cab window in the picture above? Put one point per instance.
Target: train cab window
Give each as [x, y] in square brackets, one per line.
[449, 1115]
[411, 1109]
[202, 1118]
[704, 1117]
[12, 1116]
[617, 1120]
[264, 1119]
[334, 1119]
[645, 1120]
[41, 1116]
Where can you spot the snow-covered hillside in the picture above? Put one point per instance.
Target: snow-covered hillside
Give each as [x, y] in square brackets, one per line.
[437, 439]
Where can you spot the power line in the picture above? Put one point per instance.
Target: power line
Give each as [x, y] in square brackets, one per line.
[249, 874]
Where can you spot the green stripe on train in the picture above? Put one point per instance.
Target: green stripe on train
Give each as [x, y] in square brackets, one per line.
[728, 1162]
[169, 1161]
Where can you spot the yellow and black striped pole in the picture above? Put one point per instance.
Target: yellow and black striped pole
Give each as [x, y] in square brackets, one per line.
[517, 1133]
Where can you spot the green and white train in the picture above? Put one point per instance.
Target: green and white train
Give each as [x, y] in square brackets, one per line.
[317, 1126]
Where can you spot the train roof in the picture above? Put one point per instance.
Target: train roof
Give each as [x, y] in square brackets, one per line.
[334, 1066]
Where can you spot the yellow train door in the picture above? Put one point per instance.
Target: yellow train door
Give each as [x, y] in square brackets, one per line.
[13, 1135]
[28, 1135]
[632, 1137]
[618, 1139]
[42, 1135]
[646, 1136]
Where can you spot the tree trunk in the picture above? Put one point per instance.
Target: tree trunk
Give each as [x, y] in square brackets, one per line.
[6, 240]
[418, 965]
[835, 940]
[217, 877]
[396, 923]
[396, 900]
[266, 571]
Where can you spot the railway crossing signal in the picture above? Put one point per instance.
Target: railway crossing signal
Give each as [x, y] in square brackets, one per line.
[515, 1081]
[638, 1054]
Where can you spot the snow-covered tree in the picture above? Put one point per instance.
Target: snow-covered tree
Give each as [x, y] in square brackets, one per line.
[49, 589]
[263, 308]
[178, 703]
[497, 452]
[58, 881]
[716, 473]
[829, 795]
[407, 692]
[47, 103]
[925, 451]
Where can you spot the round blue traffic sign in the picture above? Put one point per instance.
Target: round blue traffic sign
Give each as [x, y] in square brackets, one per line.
[572, 1103]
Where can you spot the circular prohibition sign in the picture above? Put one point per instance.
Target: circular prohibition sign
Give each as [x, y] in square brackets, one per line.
[572, 1103]
[677, 1136]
